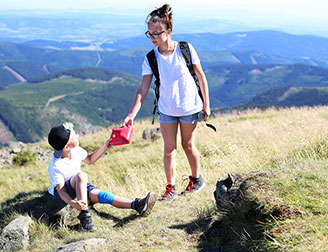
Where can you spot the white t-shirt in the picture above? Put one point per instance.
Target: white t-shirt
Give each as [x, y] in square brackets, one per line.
[178, 94]
[61, 169]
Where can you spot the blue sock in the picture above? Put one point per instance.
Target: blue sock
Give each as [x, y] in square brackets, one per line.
[105, 197]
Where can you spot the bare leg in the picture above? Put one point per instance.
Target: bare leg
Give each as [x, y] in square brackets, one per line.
[187, 142]
[118, 202]
[79, 183]
[169, 133]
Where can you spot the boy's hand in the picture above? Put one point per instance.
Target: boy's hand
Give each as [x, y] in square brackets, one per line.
[107, 143]
[79, 205]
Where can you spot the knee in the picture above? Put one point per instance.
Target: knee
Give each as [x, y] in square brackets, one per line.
[187, 146]
[169, 150]
[82, 177]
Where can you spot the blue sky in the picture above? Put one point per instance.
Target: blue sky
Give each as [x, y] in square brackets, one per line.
[272, 13]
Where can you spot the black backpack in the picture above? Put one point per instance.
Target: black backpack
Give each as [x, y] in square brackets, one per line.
[184, 47]
[154, 67]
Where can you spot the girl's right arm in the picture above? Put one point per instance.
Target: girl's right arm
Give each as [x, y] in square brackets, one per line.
[138, 99]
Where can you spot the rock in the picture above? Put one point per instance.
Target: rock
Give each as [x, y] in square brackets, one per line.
[151, 134]
[223, 188]
[83, 246]
[8, 153]
[15, 236]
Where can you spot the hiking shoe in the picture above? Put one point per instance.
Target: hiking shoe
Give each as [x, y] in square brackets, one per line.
[195, 184]
[85, 220]
[169, 194]
[145, 205]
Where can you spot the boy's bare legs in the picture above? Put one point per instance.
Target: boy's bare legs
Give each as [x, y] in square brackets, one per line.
[169, 133]
[79, 183]
[142, 205]
[187, 142]
[118, 202]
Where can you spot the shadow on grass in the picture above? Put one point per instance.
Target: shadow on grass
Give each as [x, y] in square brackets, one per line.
[236, 225]
[37, 204]
[44, 207]
[119, 222]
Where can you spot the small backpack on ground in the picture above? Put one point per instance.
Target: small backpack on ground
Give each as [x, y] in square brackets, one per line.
[184, 47]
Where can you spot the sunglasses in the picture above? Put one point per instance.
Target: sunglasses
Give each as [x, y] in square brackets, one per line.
[153, 35]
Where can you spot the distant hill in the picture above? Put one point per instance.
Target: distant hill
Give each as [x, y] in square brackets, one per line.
[90, 98]
[97, 97]
[291, 96]
[309, 49]
[234, 85]
[261, 47]
[19, 71]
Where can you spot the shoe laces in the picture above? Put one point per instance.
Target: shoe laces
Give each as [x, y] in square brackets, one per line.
[168, 190]
[191, 182]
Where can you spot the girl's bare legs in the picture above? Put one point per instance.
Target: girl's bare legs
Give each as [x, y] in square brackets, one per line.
[187, 142]
[169, 133]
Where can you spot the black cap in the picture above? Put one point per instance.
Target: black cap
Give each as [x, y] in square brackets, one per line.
[58, 138]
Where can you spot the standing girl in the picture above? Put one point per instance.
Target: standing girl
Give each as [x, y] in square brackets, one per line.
[179, 103]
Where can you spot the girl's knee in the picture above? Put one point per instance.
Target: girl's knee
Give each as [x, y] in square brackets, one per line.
[188, 146]
[169, 151]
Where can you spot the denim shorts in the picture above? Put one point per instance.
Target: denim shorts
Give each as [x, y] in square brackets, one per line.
[71, 192]
[189, 119]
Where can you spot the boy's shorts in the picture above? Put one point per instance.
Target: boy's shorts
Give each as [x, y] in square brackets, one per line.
[71, 191]
[189, 119]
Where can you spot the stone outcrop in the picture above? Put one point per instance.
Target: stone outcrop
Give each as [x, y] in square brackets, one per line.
[14, 237]
[89, 245]
[152, 134]
[223, 188]
[7, 154]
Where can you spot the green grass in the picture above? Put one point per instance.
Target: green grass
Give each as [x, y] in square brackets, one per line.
[282, 206]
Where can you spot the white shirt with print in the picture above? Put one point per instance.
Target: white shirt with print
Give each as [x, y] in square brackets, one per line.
[61, 169]
[178, 94]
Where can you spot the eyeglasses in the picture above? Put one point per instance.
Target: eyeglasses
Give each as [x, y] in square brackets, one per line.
[154, 35]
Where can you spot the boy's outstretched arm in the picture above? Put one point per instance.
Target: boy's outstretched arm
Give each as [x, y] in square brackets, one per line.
[90, 159]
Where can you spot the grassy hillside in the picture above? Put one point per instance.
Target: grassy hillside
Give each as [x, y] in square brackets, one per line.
[283, 153]
[234, 85]
[90, 97]
[99, 96]
[291, 96]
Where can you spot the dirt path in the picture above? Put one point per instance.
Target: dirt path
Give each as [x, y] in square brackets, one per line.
[56, 98]
[17, 75]
[99, 60]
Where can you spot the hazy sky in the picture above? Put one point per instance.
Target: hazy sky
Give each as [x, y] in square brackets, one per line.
[303, 10]
[295, 16]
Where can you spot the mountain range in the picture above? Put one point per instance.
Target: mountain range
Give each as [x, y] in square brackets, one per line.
[43, 82]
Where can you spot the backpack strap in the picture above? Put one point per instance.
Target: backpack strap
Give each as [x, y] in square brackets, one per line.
[154, 68]
[185, 50]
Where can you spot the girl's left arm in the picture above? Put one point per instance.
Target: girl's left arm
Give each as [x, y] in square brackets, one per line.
[204, 88]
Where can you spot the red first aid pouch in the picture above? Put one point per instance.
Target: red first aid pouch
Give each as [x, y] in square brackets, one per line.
[121, 135]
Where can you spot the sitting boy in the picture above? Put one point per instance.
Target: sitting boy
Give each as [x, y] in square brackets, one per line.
[68, 181]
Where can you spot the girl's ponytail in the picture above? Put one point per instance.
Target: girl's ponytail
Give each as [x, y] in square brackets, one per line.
[161, 15]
